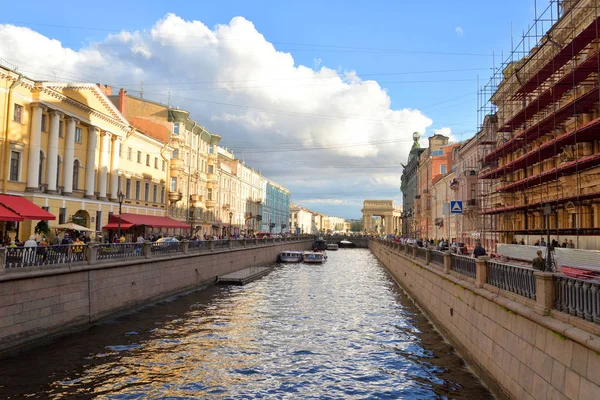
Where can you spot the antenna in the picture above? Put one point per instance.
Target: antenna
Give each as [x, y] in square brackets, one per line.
[142, 91]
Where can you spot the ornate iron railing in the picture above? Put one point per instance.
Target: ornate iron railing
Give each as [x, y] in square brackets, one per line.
[166, 247]
[17, 257]
[463, 265]
[577, 297]
[198, 245]
[437, 258]
[221, 244]
[421, 252]
[519, 280]
[112, 251]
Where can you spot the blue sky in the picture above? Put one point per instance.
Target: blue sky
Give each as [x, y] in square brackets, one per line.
[426, 55]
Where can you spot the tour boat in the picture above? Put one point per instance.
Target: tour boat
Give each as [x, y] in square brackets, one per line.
[290, 256]
[313, 257]
[346, 244]
[332, 246]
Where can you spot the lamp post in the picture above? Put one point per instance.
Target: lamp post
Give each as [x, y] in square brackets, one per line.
[120, 197]
[230, 225]
[549, 261]
[192, 210]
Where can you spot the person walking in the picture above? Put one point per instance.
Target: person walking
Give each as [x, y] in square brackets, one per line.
[479, 251]
[538, 263]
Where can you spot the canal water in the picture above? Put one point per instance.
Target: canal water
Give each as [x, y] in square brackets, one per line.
[340, 330]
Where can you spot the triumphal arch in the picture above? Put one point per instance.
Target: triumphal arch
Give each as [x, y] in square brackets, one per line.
[390, 216]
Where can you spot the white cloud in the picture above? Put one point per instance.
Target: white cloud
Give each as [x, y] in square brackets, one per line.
[314, 129]
[459, 30]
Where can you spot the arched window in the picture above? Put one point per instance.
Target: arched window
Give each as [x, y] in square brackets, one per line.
[41, 170]
[75, 174]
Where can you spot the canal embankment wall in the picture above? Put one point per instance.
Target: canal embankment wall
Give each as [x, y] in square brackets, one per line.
[43, 302]
[515, 344]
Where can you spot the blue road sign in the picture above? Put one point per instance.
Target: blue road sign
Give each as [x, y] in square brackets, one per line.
[456, 207]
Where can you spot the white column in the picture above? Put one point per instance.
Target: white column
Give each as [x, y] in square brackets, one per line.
[104, 161]
[35, 141]
[69, 156]
[114, 168]
[90, 165]
[52, 162]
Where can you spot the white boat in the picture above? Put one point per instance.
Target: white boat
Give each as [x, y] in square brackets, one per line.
[332, 246]
[290, 256]
[313, 257]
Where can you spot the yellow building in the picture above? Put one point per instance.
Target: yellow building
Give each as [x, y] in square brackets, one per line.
[62, 146]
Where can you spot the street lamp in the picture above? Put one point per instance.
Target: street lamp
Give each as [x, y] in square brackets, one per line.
[230, 224]
[549, 263]
[120, 197]
[192, 212]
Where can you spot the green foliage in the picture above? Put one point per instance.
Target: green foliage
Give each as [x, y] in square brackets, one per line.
[42, 228]
[356, 226]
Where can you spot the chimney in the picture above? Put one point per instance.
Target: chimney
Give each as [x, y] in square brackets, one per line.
[122, 93]
[106, 89]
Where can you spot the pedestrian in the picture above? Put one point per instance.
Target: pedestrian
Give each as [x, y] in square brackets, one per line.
[522, 242]
[538, 263]
[479, 251]
[571, 244]
[565, 244]
[542, 243]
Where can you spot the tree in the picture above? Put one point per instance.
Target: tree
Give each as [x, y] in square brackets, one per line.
[356, 226]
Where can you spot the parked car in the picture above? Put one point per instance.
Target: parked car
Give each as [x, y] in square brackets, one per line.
[442, 246]
[411, 241]
[458, 248]
[166, 242]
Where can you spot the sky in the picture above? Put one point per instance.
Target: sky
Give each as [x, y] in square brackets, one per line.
[320, 96]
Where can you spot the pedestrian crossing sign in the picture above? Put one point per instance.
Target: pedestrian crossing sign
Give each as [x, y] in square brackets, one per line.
[456, 207]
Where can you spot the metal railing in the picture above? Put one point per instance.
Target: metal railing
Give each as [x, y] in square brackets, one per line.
[577, 297]
[421, 252]
[113, 251]
[437, 258]
[198, 245]
[515, 279]
[166, 247]
[221, 244]
[17, 257]
[463, 265]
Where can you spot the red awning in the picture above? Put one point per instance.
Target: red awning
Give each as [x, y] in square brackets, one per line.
[7, 215]
[146, 220]
[25, 208]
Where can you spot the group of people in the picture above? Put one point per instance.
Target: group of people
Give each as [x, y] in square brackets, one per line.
[566, 244]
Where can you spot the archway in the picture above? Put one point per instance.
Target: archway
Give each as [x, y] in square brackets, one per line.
[82, 218]
[390, 215]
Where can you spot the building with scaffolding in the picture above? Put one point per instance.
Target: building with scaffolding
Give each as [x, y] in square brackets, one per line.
[540, 154]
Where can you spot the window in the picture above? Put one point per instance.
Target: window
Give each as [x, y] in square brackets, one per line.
[75, 174]
[98, 221]
[162, 195]
[443, 169]
[175, 154]
[120, 151]
[60, 128]
[147, 160]
[77, 135]
[41, 168]
[473, 190]
[176, 128]
[164, 165]
[62, 215]
[128, 188]
[173, 184]
[209, 194]
[146, 191]
[58, 162]
[439, 152]
[156, 162]
[129, 153]
[154, 193]
[211, 169]
[139, 157]
[18, 113]
[119, 184]
[137, 189]
[211, 149]
[15, 163]
[44, 123]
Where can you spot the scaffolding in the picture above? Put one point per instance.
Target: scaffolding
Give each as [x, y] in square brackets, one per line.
[538, 125]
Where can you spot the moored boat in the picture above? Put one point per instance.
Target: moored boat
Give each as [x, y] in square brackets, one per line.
[313, 257]
[290, 256]
[332, 246]
[346, 244]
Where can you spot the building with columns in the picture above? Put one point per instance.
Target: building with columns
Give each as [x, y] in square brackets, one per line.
[390, 216]
[62, 149]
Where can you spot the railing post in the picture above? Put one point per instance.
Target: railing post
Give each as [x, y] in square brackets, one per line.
[211, 245]
[230, 243]
[447, 262]
[2, 259]
[406, 248]
[480, 271]
[92, 253]
[544, 292]
[414, 251]
[147, 249]
[245, 242]
[185, 246]
[428, 255]
[256, 241]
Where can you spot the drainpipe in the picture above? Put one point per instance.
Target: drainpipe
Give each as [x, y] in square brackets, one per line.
[6, 148]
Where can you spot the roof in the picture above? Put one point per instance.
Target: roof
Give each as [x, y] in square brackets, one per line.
[25, 208]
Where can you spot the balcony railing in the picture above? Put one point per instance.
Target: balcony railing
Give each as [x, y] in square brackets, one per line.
[519, 280]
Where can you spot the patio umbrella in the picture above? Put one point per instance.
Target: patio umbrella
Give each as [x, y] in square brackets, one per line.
[72, 226]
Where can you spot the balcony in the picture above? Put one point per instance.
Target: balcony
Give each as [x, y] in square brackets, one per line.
[176, 164]
[212, 178]
[174, 197]
[210, 204]
[197, 197]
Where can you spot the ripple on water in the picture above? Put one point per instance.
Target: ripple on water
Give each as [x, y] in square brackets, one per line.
[338, 330]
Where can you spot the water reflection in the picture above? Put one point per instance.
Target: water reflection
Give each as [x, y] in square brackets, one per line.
[337, 330]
